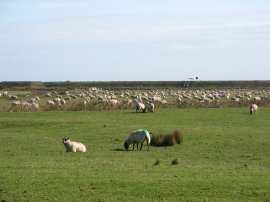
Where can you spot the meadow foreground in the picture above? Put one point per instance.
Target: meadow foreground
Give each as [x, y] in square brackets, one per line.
[224, 156]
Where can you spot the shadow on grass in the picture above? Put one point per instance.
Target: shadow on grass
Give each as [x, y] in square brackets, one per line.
[135, 112]
[117, 149]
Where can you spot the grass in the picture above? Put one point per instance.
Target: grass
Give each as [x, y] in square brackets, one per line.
[224, 156]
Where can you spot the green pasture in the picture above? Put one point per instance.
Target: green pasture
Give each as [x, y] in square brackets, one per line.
[225, 156]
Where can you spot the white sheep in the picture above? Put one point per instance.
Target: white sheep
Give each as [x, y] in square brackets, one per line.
[32, 100]
[138, 136]
[253, 108]
[28, 105]
[114, 102]
[15, 103]
[156, 99]
[139, 105]
[63, 102]
[51, 103]
[73, 146]
[178, 99]
[57, 101]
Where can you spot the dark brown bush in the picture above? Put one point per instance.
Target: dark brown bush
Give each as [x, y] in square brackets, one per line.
[161, 140]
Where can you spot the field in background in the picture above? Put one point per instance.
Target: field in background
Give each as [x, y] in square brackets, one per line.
[224, 156]
[98, 96]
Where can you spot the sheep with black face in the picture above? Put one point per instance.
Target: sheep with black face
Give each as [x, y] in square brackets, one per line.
[139, 106]
[136, 137]
[150, 107]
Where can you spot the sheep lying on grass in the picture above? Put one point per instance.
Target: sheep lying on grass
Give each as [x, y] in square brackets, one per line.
[253, 108]
[138, 136]
[73, 146]
[168, 139]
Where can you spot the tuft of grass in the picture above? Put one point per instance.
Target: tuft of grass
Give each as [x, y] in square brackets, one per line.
[175, 162]
[157, 162]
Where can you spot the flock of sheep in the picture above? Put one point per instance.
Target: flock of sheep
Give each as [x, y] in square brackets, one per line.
[140, 136]
[141, 100]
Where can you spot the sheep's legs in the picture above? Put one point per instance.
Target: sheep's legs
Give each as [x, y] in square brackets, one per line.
[142, 144]
[137, 145]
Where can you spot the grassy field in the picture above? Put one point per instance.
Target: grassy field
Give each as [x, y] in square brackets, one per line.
[225, 156]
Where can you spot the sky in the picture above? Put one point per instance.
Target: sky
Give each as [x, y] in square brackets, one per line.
[134, 40]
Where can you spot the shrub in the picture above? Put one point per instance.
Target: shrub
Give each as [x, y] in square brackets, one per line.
[161, 140]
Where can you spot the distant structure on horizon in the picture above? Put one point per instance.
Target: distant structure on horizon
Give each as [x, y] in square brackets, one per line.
[187, 81]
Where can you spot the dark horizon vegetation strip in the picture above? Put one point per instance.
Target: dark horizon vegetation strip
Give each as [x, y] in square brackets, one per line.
[132, 84]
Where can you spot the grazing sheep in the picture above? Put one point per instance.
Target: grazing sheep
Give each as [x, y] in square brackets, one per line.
[253, 108]
[85, 102]
[139, 105]
[164, 102]
[5, 93]
[73, 146]
[144, 99]
[168, 139]
[138, 136]
[32, 100]
[73, 97]
[114, 102]
[178, 100]
[51, 103]
[150, 107]
[57, 101]
[15, 103]
[62, 102]
[14, 97]
[156, 99]
[28, 105]
[257, 98]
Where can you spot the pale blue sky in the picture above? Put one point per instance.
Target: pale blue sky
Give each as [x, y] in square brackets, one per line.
[123, 40]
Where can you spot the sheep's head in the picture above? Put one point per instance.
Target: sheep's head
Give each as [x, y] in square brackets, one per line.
[251, 109]
[66, 140]
[126, 145]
